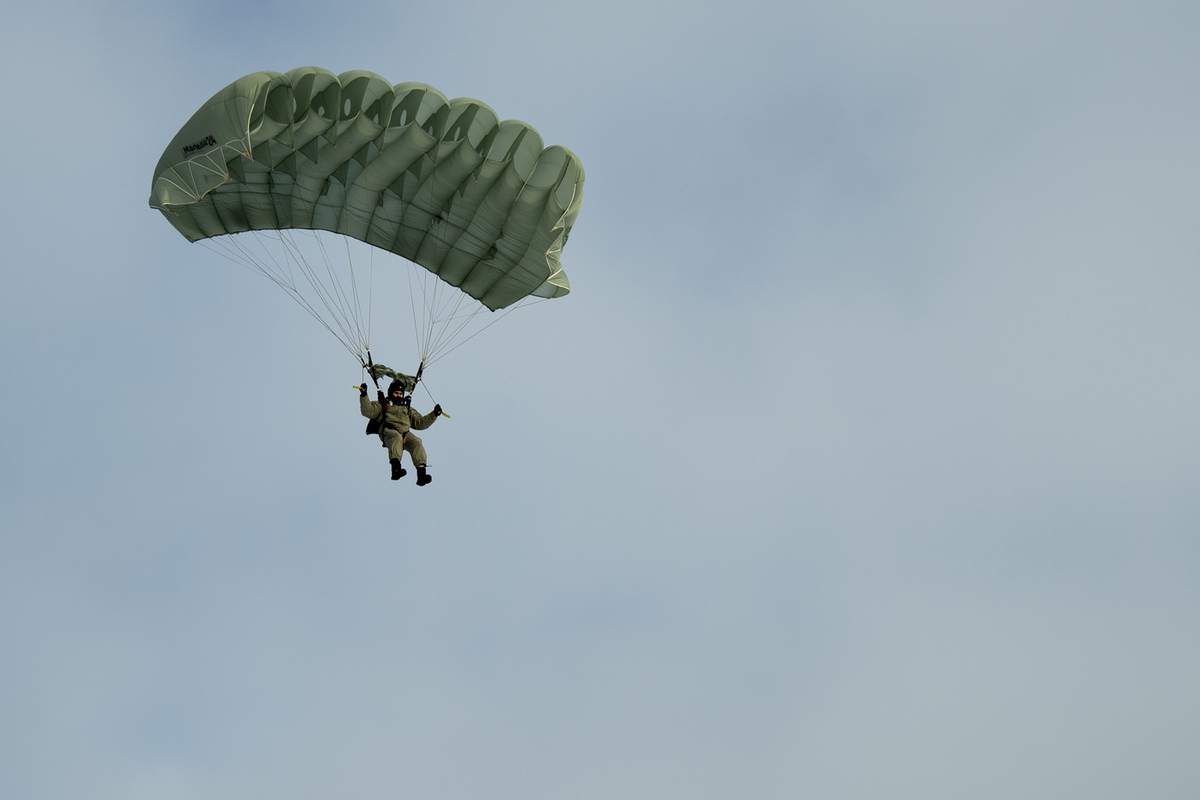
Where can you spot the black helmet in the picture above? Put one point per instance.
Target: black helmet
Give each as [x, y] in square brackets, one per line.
[393, 386]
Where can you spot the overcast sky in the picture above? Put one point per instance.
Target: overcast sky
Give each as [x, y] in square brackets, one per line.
[861, 461]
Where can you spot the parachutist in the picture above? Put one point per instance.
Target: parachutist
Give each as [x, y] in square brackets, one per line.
[395, 420]
[437, 217]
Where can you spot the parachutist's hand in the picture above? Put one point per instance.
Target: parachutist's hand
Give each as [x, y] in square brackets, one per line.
[437, 410]
[362, 390]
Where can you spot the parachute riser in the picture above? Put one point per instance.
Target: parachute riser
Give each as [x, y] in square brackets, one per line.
[376, 426]
[416, 382]
[410, 388]
[369, 366]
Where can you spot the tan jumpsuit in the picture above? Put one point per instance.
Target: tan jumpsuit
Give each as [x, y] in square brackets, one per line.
[398, 424]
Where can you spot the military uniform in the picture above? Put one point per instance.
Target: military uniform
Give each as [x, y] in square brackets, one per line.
[397, 426]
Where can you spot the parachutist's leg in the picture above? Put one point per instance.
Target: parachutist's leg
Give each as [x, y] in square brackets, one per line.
[395, 447]
[394, 443]
[413, 445]
[415, 449]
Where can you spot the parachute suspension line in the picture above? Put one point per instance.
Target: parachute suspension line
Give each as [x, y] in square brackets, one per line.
[439, 228]
[443, 320]
[426, 312]
[236, 252]
[364, 335]
[507, 311]
[431, 287]
[412, 301]
[448, 334]
[333, 300]
[432, 291]
[338, 310]
[428, 278]
[370, 293]
[338, 304]
[443, 316]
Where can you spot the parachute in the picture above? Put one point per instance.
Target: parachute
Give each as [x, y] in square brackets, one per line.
[478, 204]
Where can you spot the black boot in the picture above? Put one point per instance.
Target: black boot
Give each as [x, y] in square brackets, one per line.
[398, 471]
[423, 477]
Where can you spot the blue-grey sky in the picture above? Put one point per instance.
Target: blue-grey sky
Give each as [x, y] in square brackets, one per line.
[861, 462]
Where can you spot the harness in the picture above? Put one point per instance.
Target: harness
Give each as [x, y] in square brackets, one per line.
[375, 426]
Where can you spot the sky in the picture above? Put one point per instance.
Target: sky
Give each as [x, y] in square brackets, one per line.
[860, 462]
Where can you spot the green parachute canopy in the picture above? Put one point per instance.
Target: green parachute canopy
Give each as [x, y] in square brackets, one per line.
[477, 201]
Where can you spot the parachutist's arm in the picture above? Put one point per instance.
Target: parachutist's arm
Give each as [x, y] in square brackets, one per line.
[420, 422]
[369, 409]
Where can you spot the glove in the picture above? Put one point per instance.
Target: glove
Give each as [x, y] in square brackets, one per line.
[437, 410]
[362, 390]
